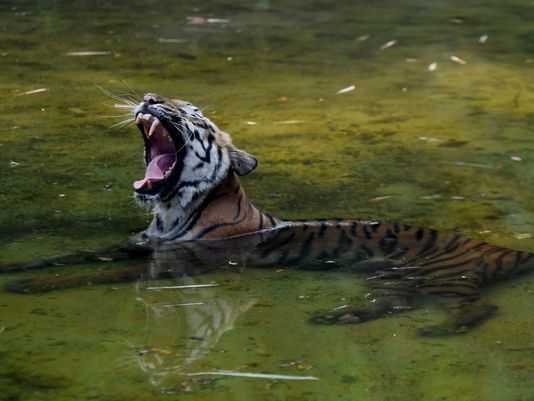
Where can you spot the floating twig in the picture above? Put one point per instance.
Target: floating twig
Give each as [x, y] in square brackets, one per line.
[433, 66]
[388, 44]
[171, 40]
[252, 375]
[181, 287]
[465, 164]
[287, 122]
[90, 53]
[347, 89]
[458, 60]
[40, 90]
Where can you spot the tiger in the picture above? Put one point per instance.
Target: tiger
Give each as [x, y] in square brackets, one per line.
[202, 219]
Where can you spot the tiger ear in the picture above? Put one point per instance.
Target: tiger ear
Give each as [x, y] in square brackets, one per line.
[241, 161]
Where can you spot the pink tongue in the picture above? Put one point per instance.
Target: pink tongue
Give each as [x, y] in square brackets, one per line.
[156, 169]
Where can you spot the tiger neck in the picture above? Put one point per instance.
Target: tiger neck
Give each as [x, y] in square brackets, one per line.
[223, 212]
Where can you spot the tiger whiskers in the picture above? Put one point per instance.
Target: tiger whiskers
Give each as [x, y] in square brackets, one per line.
[123, 123]
[126, 101]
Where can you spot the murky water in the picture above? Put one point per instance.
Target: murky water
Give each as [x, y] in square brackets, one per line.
[437, 132]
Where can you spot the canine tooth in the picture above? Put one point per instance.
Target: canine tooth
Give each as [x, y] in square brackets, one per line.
[147, 117]
[153, 127]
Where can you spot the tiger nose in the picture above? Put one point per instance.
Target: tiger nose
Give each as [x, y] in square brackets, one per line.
[152, 98]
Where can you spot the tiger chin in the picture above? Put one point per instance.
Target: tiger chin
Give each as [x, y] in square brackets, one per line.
[203, 219]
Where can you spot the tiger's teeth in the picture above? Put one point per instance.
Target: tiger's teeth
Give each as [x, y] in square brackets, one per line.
[153, 127]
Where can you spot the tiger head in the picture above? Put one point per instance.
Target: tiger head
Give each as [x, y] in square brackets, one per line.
[186, 155]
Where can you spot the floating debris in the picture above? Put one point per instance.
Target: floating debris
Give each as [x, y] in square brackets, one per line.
[347, 89]
[282, 99]
[196, 20]
[465, 164]
[388, 44]
[411, 60]
[88, 54]
[516, 158]
[104, 259]
[180, 305]
[62, 195]
[523, 235]
[433, 66]
[171, 40]
[181, 287]
[428, 139]
[13, 163]
[217, 21]
[458, 60]
[288, 122]
[362, 38]
[483, 39]
[456, 21]
[252, 375]
[232, 263]
[380, 198]
[251, 123]
[200, 20]
[40, 90]
[457, 197]
[229, 58]
[301, 365]
[437, 196]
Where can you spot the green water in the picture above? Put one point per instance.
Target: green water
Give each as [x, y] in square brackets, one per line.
[451, 149]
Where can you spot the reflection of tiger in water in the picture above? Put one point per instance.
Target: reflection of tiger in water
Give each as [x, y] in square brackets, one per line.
[202, 219]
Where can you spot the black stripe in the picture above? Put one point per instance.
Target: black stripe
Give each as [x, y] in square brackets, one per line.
[498, 263]
[366, 232]
[431, 242]
[419, 234]
[271, 219]
[287, 240]
[453, 256]
[238, 212]
[452, 242]
[375, 225]
[159, 223]
[343, 240]
[388, 243]
[214, 227]
[322, 229]
[353, 228]
[305, 250]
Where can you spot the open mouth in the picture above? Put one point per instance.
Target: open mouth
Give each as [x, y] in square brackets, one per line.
[161, 155]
